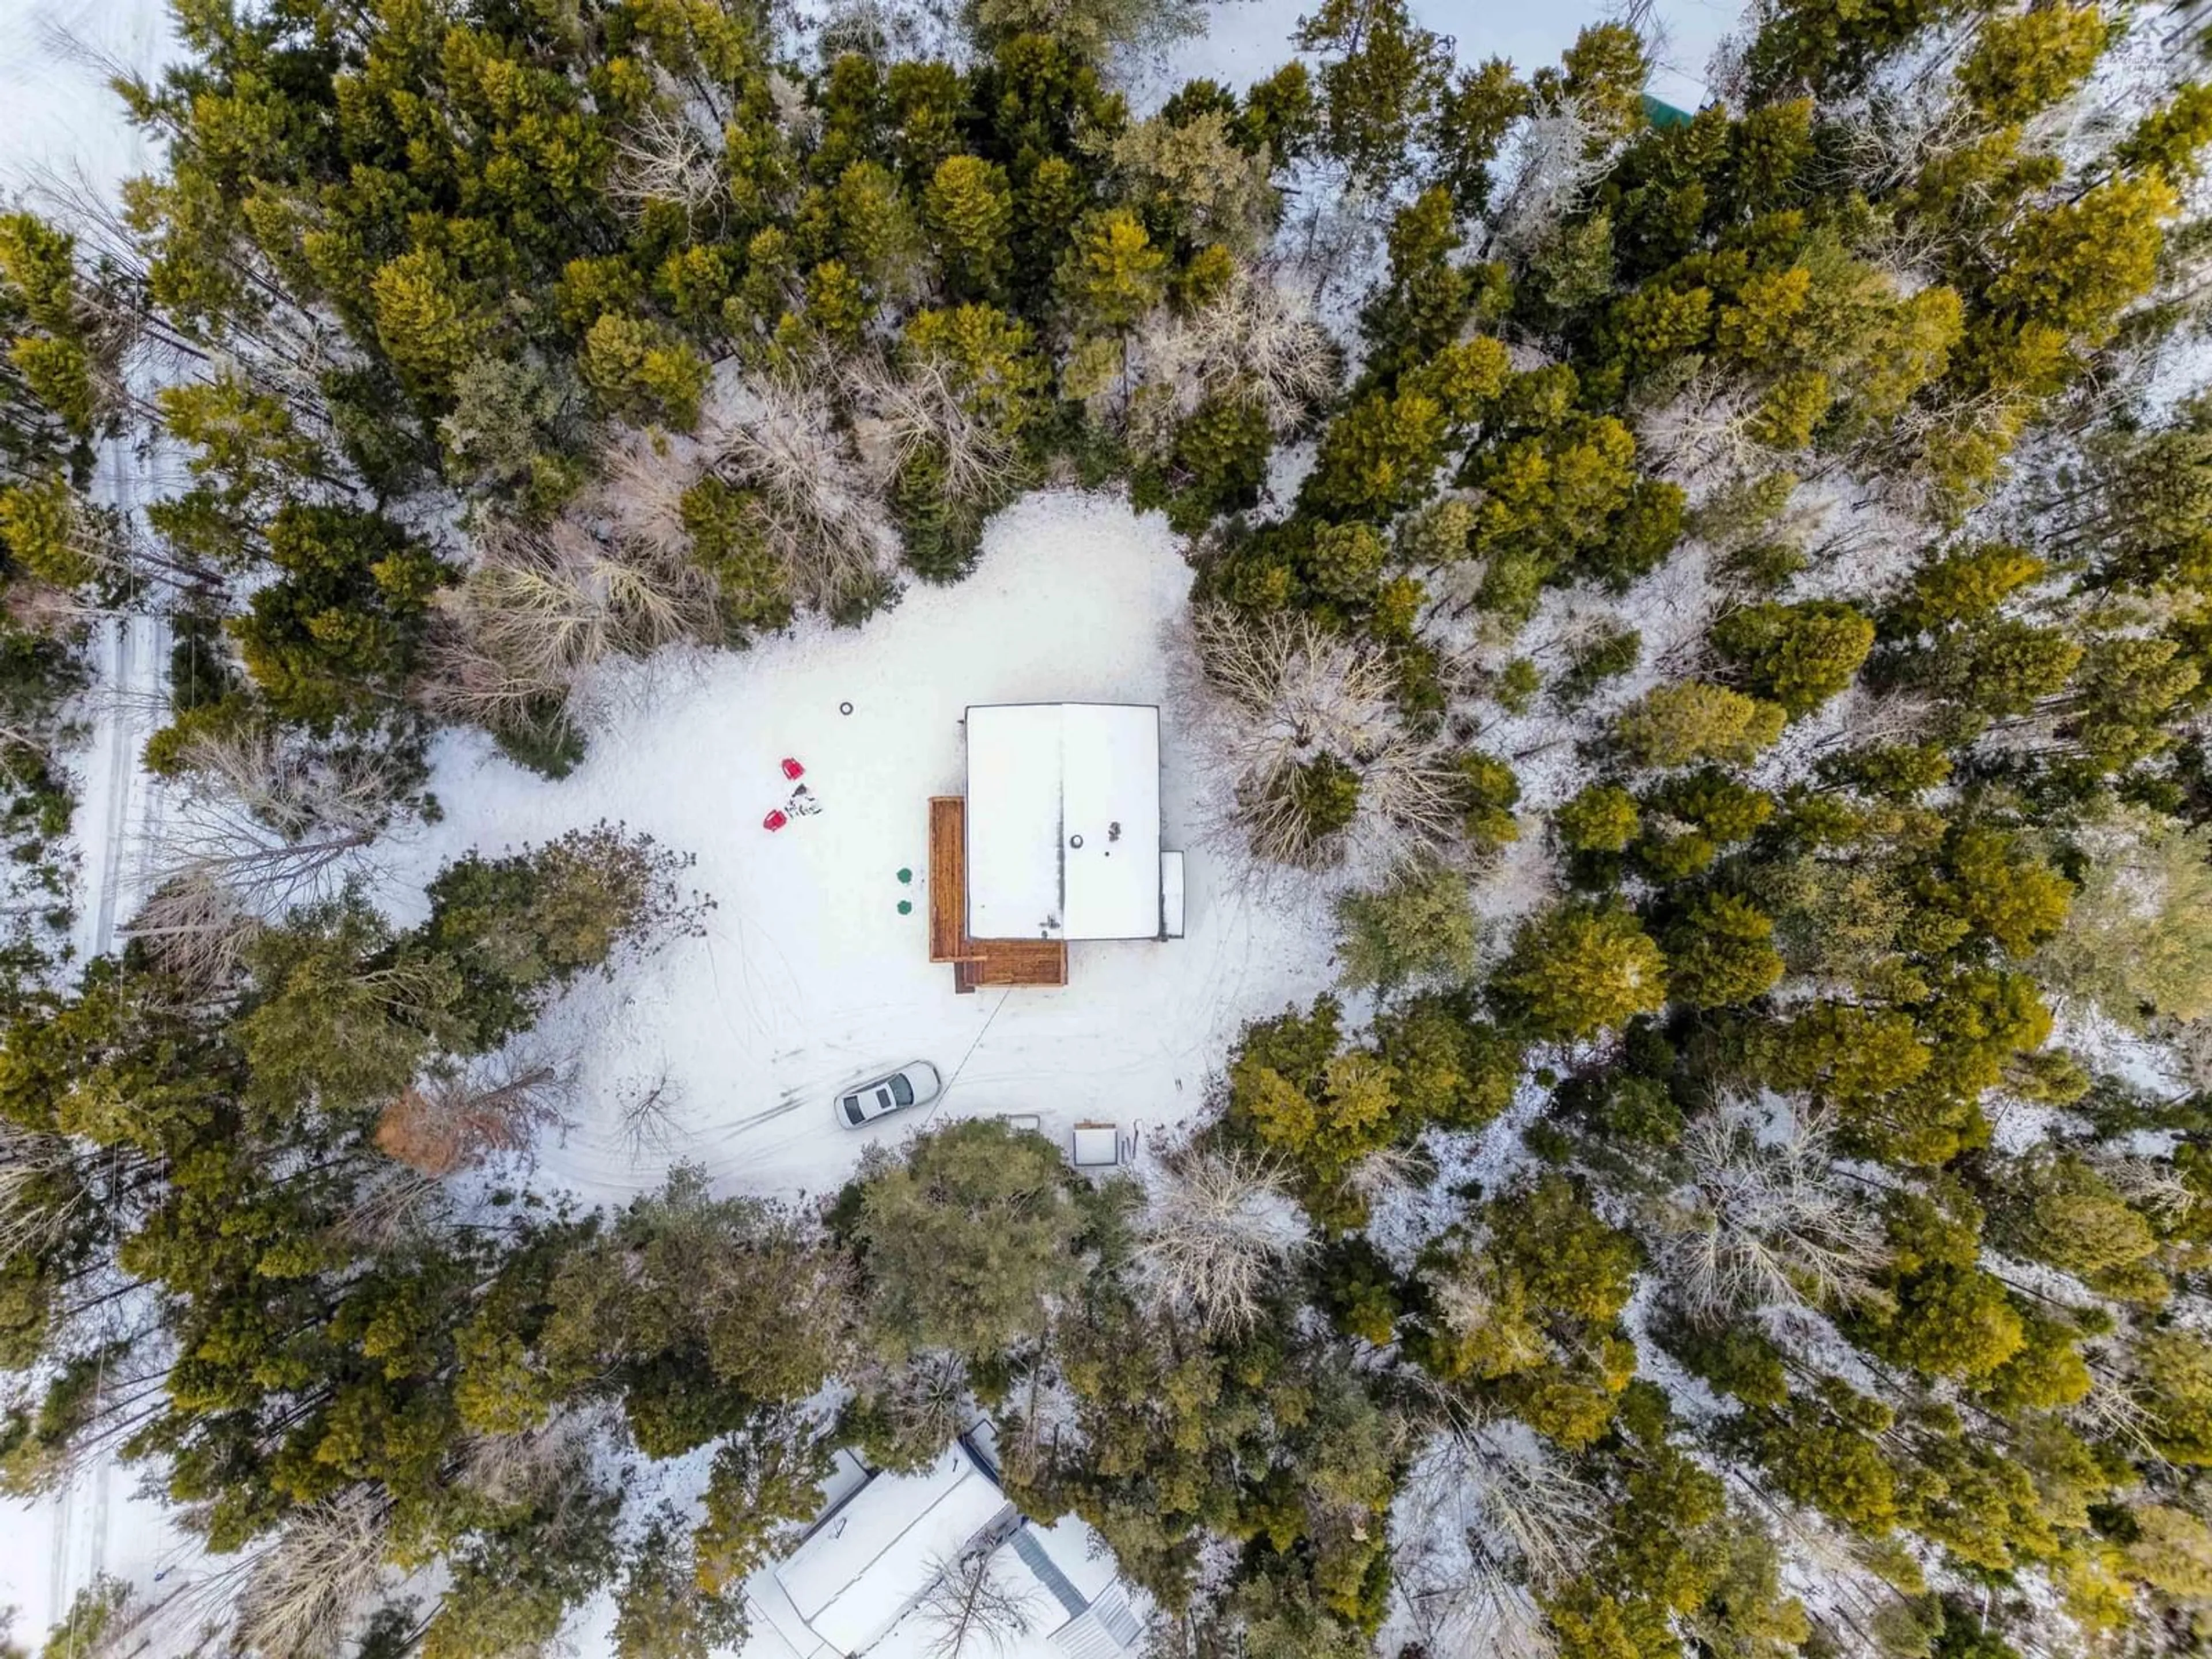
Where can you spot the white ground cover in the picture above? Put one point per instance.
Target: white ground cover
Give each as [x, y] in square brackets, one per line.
[807, 977]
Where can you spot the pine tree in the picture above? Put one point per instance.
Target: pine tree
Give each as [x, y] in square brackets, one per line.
[424, 319]
[2023, 63]
[2173, 138]
[338, 628]
[1578, 969]
[969, 209]
[1601, 818]
[1381, 80]
[2060, 1209]
[1473, 117]
[2135, 943]
[1993, 883]
[966, 1236]
[1682, 724]
[1603, 72]
[47, 531]
[1829, 47]
[1380, 457]
[661, 1612]
[762, 1489]
[1427, 299]
[1418, 928]
[1948, 1322]
[644, 371]
[1112, 275]
[872, 227]
[1797, 655]
[2075, 265]
[1721, 953]
[1963, 586]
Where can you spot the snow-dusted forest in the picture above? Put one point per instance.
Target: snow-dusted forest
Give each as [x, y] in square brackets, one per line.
[1672, 556]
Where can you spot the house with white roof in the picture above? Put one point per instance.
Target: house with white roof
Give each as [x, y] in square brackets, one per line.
[1057, 839]
[857, 1583]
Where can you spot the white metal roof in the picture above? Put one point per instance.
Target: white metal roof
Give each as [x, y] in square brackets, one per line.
[852, 1578]
[1063, 821]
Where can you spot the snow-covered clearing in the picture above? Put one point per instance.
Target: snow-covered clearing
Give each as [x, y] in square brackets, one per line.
[807, 976]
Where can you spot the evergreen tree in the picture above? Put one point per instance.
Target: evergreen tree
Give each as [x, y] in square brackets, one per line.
[1798, 656]
[969, 207]
[1420, 927]
[1382, 79]
[1689, 721]
[1578, 969]
[965, 1238]
[1112, 275]
[1721, 953]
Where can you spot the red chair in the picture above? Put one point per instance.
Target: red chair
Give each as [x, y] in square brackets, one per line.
[774, 820]
[792, 768]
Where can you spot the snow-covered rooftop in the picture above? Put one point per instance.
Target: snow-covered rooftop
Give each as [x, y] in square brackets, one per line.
[854, 1577]
[1063, 821]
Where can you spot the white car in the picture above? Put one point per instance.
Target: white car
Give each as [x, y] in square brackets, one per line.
[916, 1083]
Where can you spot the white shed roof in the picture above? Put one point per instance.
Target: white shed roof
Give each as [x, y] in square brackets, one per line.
[852, 1578]
[1063, 821]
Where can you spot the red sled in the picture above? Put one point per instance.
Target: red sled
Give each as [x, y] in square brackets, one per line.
[774, 820]
[792, 768]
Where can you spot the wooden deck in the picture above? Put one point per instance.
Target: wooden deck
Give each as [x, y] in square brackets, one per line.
[948, 878]
[977, 961]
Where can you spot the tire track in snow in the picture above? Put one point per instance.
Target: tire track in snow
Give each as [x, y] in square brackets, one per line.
[132, 647]
[119, 760]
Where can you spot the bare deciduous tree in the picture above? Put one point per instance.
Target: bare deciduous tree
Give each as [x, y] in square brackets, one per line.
[40, 1190]
[646, 1108]
[664, 155]
[922, 1403]
[1552, 159]
[921, 407]
[643, 478]
[973, 1607]
[1278, 694]
[1252, 339]
[303, 1593]
[1389, 1174]
[2112, 1411]
[394, 1203]
[39, 607]
[261, 824]
[818, 509]
[1766, 1220]
[1220, 1228]
[517, 1468]
[2152, 1185]
[1466, 1299]
[543, 608]
[1708, 430]
[1488, 1519]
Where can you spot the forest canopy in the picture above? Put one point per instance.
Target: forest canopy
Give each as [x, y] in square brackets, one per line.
[1717, 610]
